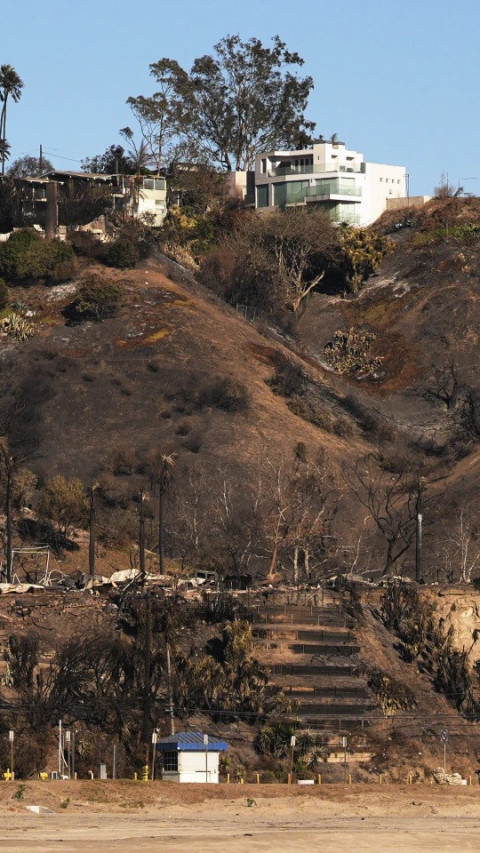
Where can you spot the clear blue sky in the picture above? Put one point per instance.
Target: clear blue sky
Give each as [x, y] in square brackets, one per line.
[397, 80]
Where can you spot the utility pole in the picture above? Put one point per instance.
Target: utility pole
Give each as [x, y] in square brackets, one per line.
[8, 508]
[419, 529]
[40, 160]
[141, 535]
[147, 674]
[60, 752]
[170, 695]
[91, 528]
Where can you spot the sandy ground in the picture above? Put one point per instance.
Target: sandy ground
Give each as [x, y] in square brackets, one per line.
[149, 816]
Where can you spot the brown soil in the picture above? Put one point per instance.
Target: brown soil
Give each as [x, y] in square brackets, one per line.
[119, 815]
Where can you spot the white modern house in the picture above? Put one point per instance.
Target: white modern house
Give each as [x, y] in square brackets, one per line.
[190, 757]
[142, 195]
[330, 176]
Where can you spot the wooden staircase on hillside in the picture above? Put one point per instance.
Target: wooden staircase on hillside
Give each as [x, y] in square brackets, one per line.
[312, 654]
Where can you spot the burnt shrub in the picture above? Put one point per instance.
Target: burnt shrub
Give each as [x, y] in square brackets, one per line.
[86, 245]
[95, 300]
[288, 379]
[193, 442]
[133, 244]
[225, 394]
[123, 253]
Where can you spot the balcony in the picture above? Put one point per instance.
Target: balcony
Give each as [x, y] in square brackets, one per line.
[284, 171]
[334, 190]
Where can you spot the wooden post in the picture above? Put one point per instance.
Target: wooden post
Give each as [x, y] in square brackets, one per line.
[228, 778]
[257, 778]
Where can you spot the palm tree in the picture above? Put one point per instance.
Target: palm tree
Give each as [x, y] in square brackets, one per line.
[11, 85]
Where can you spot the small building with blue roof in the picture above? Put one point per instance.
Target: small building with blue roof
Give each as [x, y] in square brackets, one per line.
[190, 757]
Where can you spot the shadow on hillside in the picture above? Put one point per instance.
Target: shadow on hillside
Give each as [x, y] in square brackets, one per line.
[42, 533]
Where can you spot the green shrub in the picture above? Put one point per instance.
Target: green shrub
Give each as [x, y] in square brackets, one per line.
[26, 257]
[95, 300]
[4, 294]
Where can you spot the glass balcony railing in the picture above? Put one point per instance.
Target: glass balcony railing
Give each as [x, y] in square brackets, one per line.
[324, 189]
[310, 170]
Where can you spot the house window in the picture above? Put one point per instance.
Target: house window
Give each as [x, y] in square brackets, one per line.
[262, 195]
[170, 761]
[263, 166]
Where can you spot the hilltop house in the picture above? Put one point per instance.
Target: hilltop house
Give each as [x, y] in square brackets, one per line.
[137, 195]
[329, 176]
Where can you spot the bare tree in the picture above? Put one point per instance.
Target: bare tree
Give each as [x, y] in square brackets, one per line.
[391, 500]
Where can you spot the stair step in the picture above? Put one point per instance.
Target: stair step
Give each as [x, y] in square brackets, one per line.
[314, 669]
[327, 692]
[324, 649]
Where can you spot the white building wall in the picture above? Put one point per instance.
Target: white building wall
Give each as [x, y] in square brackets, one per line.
[192, 767]
[382, 182]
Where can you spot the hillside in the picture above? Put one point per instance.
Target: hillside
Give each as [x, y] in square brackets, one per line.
[274, 439]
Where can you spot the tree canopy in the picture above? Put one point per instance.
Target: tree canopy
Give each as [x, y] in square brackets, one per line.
[241, 99]
[29, 167]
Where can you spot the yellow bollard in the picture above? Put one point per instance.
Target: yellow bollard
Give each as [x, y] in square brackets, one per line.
[145, 773]
[228, 778]
[349, 779]
[257, 778]
[135, 777]
[319, 778]
[75, 776]
[289, 779]
[242, 780]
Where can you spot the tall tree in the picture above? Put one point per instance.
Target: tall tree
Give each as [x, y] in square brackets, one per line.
[11, 86]
[232, 104]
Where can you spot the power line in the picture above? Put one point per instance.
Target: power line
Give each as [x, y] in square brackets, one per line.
[62, 157]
